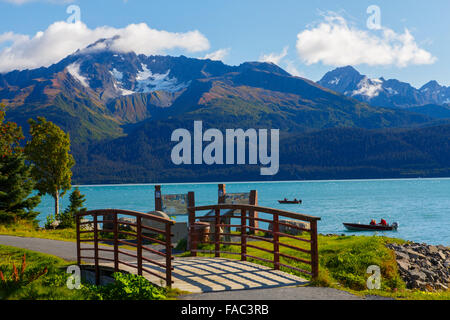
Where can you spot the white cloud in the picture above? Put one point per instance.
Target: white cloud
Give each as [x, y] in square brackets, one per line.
[292, 69]
[334, 42]
[274, 57]
[218, 55]
[61, 39]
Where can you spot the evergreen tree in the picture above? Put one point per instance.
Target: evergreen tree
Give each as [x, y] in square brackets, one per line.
[49, 150]
[67, 218]
[16, 185]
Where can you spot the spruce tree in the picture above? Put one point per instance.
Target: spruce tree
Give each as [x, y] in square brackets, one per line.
[16, 185]
[67, 218]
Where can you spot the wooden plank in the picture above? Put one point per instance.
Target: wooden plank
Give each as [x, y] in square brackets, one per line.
[295, 258]
[314, 250]
[139, 245]
[97, 268]
[116, 244]
[217, 233]
[276, 240]
[243, 235]
[191, 221]
[283, 213]
[78, 241]
[168, 256]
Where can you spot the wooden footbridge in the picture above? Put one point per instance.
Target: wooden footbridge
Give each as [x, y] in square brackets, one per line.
[152, 256]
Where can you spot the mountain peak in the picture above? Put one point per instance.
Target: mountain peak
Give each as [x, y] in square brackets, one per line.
[431, 85]
[263, 66]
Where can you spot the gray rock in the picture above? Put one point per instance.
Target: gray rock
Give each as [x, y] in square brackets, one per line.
[416, 274]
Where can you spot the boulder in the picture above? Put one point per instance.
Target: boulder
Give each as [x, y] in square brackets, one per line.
[154, 224]
[291, 230]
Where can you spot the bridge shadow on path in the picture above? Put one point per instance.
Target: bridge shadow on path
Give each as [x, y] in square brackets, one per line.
[198, 275]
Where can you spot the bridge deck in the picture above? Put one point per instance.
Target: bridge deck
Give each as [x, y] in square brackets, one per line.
[197, 275]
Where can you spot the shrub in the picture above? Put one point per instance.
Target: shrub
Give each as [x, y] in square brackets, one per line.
[126, 287]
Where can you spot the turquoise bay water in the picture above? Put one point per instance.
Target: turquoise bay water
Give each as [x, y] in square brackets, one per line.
[420, 206]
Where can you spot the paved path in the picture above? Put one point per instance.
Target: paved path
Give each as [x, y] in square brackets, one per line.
[285, 293]
[64, 249]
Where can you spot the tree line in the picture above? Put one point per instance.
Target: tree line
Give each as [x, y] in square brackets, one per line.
[42, 164]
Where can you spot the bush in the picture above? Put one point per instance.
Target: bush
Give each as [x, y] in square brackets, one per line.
[126, 287]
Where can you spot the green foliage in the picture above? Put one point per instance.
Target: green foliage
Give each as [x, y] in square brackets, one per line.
[67, 218]
[49, 150]
[16, 183]
[126, 287]
[16, 186]
[50, 220]
[10, 135]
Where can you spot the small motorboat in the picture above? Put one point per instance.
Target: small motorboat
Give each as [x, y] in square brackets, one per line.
[285, 201]
[371, 227]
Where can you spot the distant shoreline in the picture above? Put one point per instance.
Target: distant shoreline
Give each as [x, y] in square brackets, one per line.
[256, 182]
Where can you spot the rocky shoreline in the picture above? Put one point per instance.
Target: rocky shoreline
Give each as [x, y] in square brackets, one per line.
[422, 266]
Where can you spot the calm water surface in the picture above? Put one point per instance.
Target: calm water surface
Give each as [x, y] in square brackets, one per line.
[420, 206]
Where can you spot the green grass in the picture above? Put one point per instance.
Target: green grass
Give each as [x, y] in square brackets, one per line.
[343, 262]
[50, 286]
[30, 230]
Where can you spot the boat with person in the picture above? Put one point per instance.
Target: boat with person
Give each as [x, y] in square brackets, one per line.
[286, 201]
[373, 226]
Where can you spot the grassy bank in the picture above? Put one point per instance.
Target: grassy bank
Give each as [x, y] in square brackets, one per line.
[343, 262]
[31, 230]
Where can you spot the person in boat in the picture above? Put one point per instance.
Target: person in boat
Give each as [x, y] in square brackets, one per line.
[285, 199]
[295, 200]
[383, 222]
[373, 222]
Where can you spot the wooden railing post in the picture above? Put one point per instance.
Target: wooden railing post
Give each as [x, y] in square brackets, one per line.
[276, 246]
[191, 220]
[97, 268]
[168, 255]
[217, 233]
[221, 193]
[78, 241]
[116, 243]
[314, 250]
[243, 235]
[139, 244]
[253, 201]
[158, 198]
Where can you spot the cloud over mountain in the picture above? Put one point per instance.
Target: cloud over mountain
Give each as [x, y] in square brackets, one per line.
[61, 39]
[335, 42]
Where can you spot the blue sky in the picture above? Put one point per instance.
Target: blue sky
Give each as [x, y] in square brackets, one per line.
[253, 30]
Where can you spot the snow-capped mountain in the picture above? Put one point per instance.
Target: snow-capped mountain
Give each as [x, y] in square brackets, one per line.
[382, 92]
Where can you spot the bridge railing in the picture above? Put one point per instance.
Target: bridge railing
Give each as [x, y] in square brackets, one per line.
[110, 230]
[246, 232]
